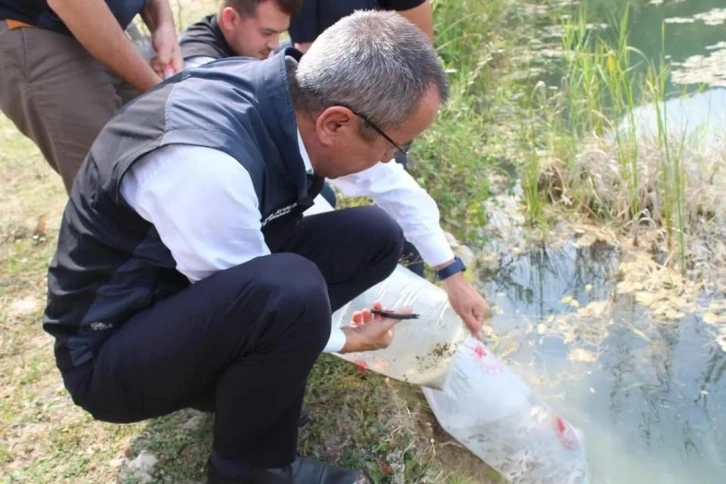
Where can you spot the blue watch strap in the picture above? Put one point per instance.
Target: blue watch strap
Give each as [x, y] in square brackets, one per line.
[453, 268]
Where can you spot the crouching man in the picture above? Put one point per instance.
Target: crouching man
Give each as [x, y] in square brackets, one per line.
[185, 271]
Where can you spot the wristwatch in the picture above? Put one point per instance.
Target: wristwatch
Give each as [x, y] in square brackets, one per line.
[453, 268]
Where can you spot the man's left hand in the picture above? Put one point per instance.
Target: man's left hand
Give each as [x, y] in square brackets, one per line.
[467, 302]
[168, 59]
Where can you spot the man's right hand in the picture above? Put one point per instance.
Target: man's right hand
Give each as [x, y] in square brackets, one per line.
[369, 332]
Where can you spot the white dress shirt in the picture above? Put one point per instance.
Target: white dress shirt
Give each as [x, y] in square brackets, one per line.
[189, 192]
[197, 61]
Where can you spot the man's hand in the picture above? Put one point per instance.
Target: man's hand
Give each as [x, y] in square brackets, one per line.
[368, 332]
[94, 26]
[467, 302]
[168, 59]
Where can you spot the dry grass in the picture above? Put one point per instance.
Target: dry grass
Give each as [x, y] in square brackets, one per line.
[596, 184]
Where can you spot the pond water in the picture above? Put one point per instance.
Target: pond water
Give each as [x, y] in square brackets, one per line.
[690, 35]
[647, 390]
[649, 395]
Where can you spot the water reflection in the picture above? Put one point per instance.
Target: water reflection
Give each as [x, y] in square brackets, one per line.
[699, 119]
[651, 403]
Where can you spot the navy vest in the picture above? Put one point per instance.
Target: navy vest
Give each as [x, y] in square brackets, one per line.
[37, 12]
[111, 263]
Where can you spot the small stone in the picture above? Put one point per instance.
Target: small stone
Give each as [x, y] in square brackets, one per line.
[144, 462]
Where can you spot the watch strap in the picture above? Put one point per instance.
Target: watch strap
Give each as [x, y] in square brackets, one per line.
[453, 268]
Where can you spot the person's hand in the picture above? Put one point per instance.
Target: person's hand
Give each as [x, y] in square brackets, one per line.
[368, 331]
[467, 302]
[168, 59]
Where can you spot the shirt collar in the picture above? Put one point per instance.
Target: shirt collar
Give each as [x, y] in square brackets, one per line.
[304, 154]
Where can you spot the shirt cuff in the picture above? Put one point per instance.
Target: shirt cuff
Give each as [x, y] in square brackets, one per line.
[336, 341]
[435, 249]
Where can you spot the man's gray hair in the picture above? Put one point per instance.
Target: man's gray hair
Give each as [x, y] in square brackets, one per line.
[376, 63]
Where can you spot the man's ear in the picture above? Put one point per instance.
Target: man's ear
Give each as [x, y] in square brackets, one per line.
[228, 18]
[334, 123]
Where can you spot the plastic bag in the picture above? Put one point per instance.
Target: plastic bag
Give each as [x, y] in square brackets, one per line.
[490, 411]
[474, 396]
[422, 348]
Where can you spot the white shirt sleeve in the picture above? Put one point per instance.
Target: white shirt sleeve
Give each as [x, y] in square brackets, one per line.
[174, 187]
[393, 189]
[197, 61]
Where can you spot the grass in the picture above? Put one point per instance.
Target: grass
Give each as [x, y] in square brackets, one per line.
[582, 147]
[357, 419]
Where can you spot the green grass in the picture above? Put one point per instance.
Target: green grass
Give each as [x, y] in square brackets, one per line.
[575, 152]
[357, 419]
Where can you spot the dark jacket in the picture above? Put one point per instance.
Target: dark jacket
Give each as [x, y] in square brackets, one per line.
[110, 263]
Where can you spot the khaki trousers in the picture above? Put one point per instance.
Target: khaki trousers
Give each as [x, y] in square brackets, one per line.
[57, 94]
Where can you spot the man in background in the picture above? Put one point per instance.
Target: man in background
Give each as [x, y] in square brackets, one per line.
[317, 15]
[67, 66]
[249, 28]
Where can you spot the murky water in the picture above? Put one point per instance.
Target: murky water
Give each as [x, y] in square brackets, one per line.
[650, 397]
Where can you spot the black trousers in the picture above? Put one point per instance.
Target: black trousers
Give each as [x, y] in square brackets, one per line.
[246, 337]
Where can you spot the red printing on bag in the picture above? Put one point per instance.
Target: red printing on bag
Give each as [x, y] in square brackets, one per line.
[486, 362]
[565, 433]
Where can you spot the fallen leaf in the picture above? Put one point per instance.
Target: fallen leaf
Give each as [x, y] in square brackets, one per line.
[625, 287]
[579, 354]
[569, 300]
[674, 314]
[711, 318]
[644, 298]
[594, 309]
[40, 226]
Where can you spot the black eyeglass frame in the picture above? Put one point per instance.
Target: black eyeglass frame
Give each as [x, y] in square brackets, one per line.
[375, 128]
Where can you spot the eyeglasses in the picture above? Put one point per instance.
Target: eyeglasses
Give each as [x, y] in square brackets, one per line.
[376, 129]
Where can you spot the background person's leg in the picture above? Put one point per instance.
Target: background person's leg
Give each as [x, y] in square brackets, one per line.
[250, 334]
[56, 94]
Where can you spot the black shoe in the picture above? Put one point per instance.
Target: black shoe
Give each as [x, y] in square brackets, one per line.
[306, 470]
[207, 407]
[303, 471]
[271, 476]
